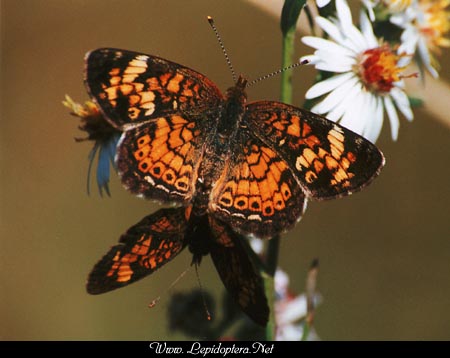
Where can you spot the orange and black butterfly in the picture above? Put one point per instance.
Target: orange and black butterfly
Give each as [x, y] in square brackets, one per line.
[241, 168]
[251, 165]
[159, 237]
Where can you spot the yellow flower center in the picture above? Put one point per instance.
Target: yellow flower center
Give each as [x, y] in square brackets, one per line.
[378, 69]
[436, 23]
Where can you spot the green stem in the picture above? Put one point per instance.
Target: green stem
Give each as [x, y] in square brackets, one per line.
[269, 283]
[286, 60]
[306, 329]
[273, 247]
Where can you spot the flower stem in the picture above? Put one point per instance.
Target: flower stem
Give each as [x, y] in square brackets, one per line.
[269, 283]
[286, 60]
[286, 97]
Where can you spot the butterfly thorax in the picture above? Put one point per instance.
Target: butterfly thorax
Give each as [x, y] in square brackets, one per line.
[233, 110]
[219, 145]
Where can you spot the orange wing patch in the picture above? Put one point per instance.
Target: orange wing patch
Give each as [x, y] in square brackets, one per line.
[142, 254]
[143, 249]
[132, 88]
[164, 156]
[335, 161]
[258, 193]
[326, 159]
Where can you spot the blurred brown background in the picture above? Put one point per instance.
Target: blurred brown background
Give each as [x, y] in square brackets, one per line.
[384, 252]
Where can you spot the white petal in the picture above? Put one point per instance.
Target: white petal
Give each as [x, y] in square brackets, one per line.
[409, 39]
[333, 67]
[367, 30]
[331, 29]
[351, 32]
[404, 60]
[292, 310]
[366, 112]
[402, 102]
[281, 283]
[327, 85]
[289, 333]
[425, 56]
[340, 56]
[335, 58]
[322, 3]
[374, 120]
[326, 45]
[377, 121]
[398, 20]
[337, 112]
[335, 97]
[352, 118]
[393, 117]
[314, 42]
[369, 6]
[359, 43]
[344, 14]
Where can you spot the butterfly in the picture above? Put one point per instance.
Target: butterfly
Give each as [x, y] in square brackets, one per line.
[251, 165]
[159, 237]
[234, 168]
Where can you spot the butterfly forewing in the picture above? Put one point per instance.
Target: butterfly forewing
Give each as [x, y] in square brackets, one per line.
[327, 159]
[143, 249]
[132, 88]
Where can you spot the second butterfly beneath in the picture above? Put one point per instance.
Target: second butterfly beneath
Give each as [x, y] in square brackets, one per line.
[159, 237]
[250, 165]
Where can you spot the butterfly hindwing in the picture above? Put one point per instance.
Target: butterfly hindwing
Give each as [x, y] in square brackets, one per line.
[143, 249]
[327, 159]
[132, 88]
[160, 160]
[257, 193]
[239, 275]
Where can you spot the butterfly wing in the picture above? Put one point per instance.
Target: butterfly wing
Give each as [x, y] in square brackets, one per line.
[328, 160]
[143, 249]
[131, 88]
[257, 193]
[239, 275]
[160, 159]
[167, 112]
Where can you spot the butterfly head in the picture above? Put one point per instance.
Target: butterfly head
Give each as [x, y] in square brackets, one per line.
[237, 94]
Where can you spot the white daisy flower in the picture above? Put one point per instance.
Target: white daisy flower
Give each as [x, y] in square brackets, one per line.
[290, 310]
[425, 25]
[368, 78]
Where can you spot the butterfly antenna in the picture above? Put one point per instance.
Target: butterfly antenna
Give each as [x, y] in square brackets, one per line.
[219, 39]
[156, 300]
[208, 314]
[277, 72]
